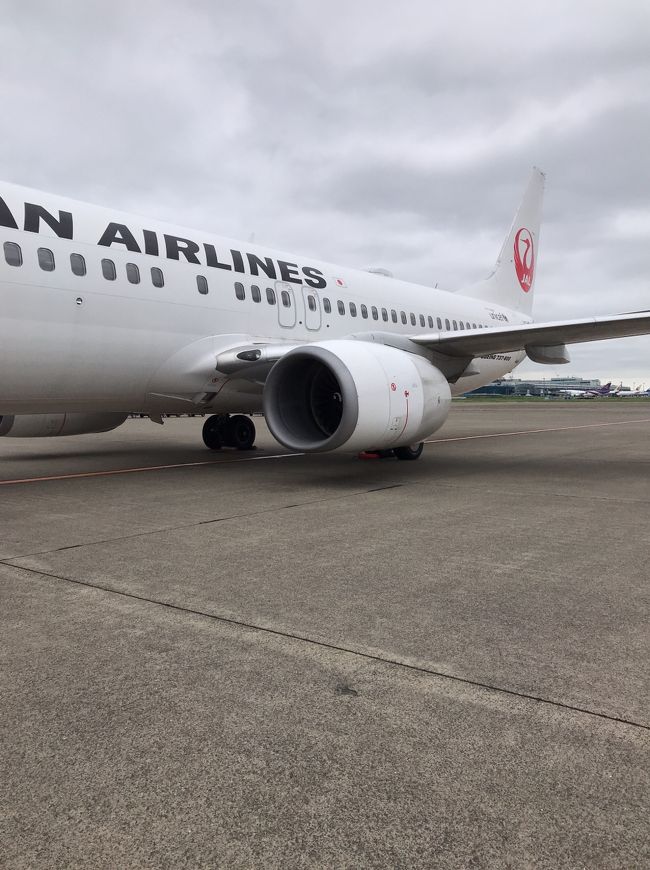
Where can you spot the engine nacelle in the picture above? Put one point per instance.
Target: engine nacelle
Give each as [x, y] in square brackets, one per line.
[353, 395]
[51, 425]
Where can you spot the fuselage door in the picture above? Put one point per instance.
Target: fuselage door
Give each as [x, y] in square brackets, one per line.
[312, 308]
[287, 314]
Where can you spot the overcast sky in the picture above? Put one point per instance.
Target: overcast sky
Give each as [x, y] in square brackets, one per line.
[365, 133]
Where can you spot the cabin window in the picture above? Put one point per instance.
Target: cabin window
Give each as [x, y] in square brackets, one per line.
[311, 302]
[375, 313]
[132, 273]
[353, 309]
[77, 264]
[473, 326]
[157, 277]
[108, 270]
[240, 292]
[384, 315]
[286, 299]
[422, 320]
[201, 284]
[13, 254]
[341, 307]
[364, 312]
[393, 315]
[46, 259]
[327, 305]
[430, 321]
[454, 324]
[439, 322]
[256, 293]
[447, 324]
[270, 295]
[462, 325]
[403, 316]
[413, 321]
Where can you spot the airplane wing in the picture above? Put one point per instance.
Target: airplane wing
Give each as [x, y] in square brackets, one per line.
[532, 336]
[543, 342]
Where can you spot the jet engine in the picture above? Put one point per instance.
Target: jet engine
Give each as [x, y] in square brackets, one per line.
[353, 395]
[50, 425]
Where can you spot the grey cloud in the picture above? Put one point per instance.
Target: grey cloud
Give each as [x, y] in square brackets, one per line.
[365, 133]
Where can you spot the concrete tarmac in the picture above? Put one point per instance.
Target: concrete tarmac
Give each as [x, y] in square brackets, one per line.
[274, 660]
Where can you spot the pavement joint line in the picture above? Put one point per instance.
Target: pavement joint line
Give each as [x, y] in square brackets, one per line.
[11, 560]
[334, 647]
[454, 485]
[138, 470]
[536, 492]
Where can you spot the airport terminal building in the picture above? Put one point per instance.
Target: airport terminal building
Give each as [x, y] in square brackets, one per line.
[528, 387]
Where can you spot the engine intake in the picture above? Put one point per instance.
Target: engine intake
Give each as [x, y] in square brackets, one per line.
[353, 395]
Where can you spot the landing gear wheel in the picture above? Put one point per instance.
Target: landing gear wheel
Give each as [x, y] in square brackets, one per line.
[240, 432]
[221, 430]
[412, 451]
[213, 431]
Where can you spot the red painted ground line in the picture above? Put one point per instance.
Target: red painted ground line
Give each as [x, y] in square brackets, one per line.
[114, 471]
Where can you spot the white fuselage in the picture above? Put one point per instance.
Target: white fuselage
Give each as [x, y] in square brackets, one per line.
[71, 342]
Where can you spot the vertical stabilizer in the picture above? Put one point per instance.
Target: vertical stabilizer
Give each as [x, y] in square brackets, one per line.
[512, 282]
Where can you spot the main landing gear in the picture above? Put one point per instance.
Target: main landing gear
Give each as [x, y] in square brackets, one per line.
[222, 430]
[410, 452]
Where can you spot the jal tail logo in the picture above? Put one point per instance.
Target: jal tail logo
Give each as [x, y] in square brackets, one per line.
[524, 258]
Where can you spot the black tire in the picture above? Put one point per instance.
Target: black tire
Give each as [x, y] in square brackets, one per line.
[410, 452]
[240, 432]
[213, 432]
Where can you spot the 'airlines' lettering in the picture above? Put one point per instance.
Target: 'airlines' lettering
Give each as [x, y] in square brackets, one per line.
[238, 261]
[289, 272]
[211, 258]
[256, 263]
[314, 277]
[150, 242]
[175, 247]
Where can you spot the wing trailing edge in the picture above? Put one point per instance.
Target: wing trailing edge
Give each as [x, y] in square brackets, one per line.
[539, 340]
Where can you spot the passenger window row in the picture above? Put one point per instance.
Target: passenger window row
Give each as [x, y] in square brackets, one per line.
[256, 295]
[285, 296]
[14, 257]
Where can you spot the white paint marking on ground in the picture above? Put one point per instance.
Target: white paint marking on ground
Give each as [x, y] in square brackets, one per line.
[535, 431]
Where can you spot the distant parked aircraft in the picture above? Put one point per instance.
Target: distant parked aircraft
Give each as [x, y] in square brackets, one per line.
[637, 392]
[590, 393]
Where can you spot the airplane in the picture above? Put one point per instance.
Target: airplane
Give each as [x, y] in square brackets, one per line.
[587, 393]
[103, 314]
[630, 394]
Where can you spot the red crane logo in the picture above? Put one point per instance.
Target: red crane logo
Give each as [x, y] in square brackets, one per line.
[524, 258]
